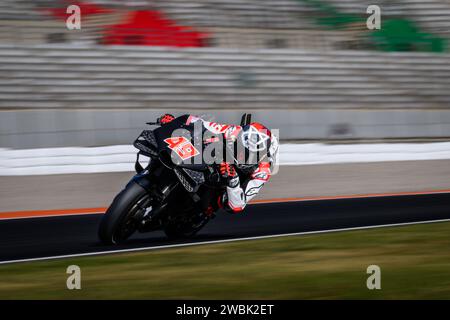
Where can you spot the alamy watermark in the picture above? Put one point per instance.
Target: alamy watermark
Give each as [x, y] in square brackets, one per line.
[374, 20]
[73, 22]
[225, 143]
[374, 280]
[74, 280]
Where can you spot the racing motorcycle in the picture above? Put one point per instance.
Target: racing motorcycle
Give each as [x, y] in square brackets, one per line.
[176, 191]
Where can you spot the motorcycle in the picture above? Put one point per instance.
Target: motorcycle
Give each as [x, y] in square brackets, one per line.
[176, 191]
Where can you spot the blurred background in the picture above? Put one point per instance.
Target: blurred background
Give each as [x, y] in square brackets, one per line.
[364, 123]
[310, 67]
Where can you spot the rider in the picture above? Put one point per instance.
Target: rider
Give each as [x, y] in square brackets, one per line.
[257, 149]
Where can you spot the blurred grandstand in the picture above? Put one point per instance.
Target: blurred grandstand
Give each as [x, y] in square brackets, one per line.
[306, 24]
[310, 67]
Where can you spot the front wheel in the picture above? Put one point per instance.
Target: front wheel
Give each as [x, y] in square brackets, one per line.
[121, 219]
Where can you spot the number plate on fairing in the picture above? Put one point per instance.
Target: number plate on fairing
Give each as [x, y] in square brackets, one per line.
[182, 147]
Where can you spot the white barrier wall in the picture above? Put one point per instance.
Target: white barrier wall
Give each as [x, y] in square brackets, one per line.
[122, 158]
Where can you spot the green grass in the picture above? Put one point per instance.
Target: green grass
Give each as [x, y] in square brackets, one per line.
[414, 261]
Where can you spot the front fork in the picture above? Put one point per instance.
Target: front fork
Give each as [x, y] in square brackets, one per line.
[158, 192]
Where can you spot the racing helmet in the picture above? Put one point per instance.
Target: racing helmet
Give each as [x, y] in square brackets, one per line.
[253, 144]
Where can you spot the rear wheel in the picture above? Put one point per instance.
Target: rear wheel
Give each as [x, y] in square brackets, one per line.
[122, 217]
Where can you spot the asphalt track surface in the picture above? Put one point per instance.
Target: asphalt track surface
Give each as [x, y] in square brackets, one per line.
[66, 235]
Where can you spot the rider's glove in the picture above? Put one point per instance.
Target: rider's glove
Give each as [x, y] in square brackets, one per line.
[166, 118]
[228, 172]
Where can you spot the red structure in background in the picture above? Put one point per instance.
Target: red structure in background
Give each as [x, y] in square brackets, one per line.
[151, 28]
